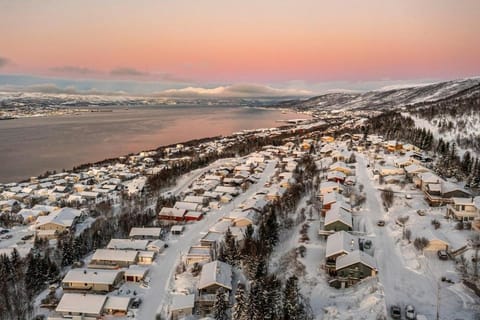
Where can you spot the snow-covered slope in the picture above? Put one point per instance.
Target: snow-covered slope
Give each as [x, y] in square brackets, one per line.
[388, 97]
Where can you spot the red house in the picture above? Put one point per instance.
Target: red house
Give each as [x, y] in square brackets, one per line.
[172, 214]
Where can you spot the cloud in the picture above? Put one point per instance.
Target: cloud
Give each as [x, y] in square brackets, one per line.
[4, 61]
[233, 91]
[50, 88]
[129, 72]
[73, 70]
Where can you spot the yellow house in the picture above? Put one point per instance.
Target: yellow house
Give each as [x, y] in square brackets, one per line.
[327, 139]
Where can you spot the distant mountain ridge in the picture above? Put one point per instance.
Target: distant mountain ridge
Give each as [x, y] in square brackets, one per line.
[388, 98]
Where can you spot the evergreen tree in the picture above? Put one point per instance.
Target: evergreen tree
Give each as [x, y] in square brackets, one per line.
[220, 307]
[240, 309]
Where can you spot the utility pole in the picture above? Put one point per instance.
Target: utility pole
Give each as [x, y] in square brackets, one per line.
[438, 300]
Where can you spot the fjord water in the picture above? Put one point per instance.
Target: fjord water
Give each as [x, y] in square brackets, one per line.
[30, 146]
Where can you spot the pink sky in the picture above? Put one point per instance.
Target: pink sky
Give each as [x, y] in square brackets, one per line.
[262, 41]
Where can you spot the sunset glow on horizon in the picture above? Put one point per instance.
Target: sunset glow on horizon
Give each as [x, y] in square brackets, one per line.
[245, 41]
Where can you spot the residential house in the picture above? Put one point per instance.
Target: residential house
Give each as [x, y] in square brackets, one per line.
[59, 220]
[150, 233]
[198, 254]
[464, 209]
[92, 280]
[110, 259]
[342, 167]
[128, 244]
[172, 214]
[353, 267]
[188, 206]
[83, 306]
[338, 218]
[157, 246]
[336, 176]
[215, 276]
[117, 305]
[438, 194]
[182, 306]
[338, 244]
[329, 186]
[135, 273]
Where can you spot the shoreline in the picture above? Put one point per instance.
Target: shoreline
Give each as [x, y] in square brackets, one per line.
[279, 124]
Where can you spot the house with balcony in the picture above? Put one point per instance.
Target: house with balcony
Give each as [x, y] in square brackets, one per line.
[215, 276]
[464, 209]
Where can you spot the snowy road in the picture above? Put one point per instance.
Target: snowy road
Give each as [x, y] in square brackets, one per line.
[402, 285]
[157, 297]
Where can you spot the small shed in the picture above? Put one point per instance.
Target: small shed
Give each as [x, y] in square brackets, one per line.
[182, 306]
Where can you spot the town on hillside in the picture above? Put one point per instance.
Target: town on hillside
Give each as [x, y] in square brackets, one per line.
[321, 219]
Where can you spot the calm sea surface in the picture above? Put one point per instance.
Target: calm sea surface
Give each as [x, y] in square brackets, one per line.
[30, 146]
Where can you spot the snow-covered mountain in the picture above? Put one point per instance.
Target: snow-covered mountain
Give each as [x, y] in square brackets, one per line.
[389, 97]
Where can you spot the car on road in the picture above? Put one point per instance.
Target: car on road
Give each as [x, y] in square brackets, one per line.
[3, 231]
[27, 237]
[395, 312]
[410, 312]
[136, 303]
[442, 254]
[381, 223]
[8, 236]
[367, 244]
[421, 212]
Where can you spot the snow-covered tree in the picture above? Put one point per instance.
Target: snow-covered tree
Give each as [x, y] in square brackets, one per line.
[220, 307]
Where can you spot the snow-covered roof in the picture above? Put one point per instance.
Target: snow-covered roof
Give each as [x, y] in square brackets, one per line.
[463, 201]
[339, 242]
[254, 203]
[450, 187]
[329, 184]
[331, 197]
[199, 251]
[335, 175]
[146, 231]
[338, 213]
[221, 226]
[115, 255]
[156, 244]
[117, 303]
[194, 199]
[97, 276]
[236, 215]
[189, 206]
[216, 272]
[172, 212]
[415, 168]
[213, 236]
[81, 303]
[354, 257]
[429, 177]
[136, 271]
[64, 216]
[180, 302]
[127, 244]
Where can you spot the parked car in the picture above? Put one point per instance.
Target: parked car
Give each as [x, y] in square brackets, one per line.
[3, 231]
[381, 223]
[421, 212]
[8, 236]
[395, 312]
[27, 237]
[442, 254]
[136, 303]
[408, 196]
[367, 244]
[410, 312]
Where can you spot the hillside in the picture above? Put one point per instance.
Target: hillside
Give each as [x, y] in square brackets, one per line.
[388, 98]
